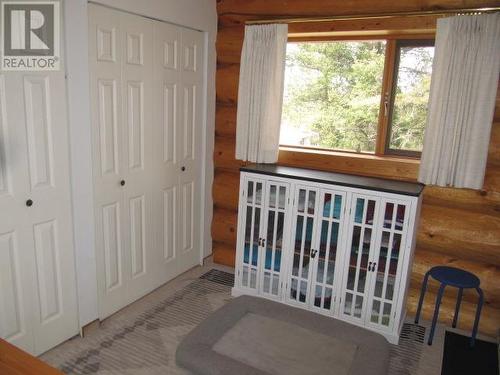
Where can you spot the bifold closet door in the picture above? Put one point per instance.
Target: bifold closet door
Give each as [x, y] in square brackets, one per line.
[38, 306]
[178, 85]
[120, 56]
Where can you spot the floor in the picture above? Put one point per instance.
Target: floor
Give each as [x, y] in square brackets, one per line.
[142, 338]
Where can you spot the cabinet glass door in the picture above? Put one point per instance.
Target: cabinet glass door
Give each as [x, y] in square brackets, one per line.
[301, 244]
[360, 244]
[330, 217]
[387, 267]
[252, 206]
[276, 204]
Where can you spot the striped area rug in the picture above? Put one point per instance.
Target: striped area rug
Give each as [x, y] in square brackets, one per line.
[143, 341]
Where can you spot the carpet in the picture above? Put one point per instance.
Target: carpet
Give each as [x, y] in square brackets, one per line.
[460, 359]
[143, 338]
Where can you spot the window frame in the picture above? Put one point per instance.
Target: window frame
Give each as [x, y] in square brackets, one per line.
[400, 43]
[393, 41]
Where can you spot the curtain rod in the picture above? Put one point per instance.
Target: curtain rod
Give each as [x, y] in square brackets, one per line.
[442, 12]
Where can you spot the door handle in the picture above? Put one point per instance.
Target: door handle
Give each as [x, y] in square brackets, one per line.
[29, 203]
[183, 168]
[370, 266]
[122, 182]
[313, 253]
[373, 266]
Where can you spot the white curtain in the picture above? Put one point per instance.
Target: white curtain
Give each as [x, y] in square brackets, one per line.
[462, 100]
[260, 93]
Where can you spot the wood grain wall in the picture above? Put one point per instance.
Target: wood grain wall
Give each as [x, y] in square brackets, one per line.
[458, 227]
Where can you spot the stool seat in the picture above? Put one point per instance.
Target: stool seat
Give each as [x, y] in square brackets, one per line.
[454, 277]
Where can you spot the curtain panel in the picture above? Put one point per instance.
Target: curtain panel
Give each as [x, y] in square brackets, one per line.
[260, 93]
[461, 102]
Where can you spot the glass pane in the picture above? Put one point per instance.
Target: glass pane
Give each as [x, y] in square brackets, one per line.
[276, 281]
[282, 198]
[311, 202]
[269, 257]
[248, 233]
[328, 298]
[375, 311]
[307, 248]
[279, 242]
[389, 208]
[303, 291]
[250, 192]
[409, 112]
[327, 205]
[360, 204]
[331, 95]
[337, 207]
[348, 304]
[386, 318]
[267, 280]
[364, 260]
[318, 295]
[322, 252]
[244, 279]
[393, 266]
[302, 200]
[358, 306]
[382, 261]
[258, 193]
[270, 229]
[272, 196]
[293, 289]
[256, 232]
[253, 278]
[298, 245]
[400, 217]
[370, 212]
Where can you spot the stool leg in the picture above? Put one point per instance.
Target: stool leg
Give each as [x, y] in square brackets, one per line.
[457, 308]
[421, 299]
[478, 314]
[436, 313]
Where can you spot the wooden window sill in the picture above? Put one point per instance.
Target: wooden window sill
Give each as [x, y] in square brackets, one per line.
[386, 166]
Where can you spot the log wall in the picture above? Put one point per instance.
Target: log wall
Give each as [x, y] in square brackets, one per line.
[458, 227]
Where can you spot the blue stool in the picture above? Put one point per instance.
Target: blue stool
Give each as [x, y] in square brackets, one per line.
[459, 279]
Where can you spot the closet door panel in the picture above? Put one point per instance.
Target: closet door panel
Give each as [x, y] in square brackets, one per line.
[275, 220]
[189, 141]
[330, 227]
[250, 226]
[167, 115]
[388, 257]
[137, 140]
[358, 257]
[303, 233]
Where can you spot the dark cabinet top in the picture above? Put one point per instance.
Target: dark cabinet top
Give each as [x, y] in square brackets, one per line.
[342, 179]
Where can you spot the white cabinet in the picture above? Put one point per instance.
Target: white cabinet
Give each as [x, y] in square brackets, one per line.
[336, 244]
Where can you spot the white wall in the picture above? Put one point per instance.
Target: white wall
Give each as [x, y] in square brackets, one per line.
[197, 14]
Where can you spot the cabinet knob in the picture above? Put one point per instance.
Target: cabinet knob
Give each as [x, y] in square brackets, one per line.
[183, 168]
[122, 182]
[29, 203]
[313, 253]
[370, 266]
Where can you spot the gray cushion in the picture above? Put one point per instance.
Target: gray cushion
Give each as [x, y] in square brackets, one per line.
[227, 342]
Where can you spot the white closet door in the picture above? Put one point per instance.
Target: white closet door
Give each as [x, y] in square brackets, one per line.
[167, 116]
[178, 85]
[38, 307]
[121, 89]
[136, 174]
[105, 56]
[190, 150]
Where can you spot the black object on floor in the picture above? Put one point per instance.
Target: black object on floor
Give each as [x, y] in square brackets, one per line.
[460, 359]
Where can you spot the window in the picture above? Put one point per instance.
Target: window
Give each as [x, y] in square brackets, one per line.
[357, 96]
